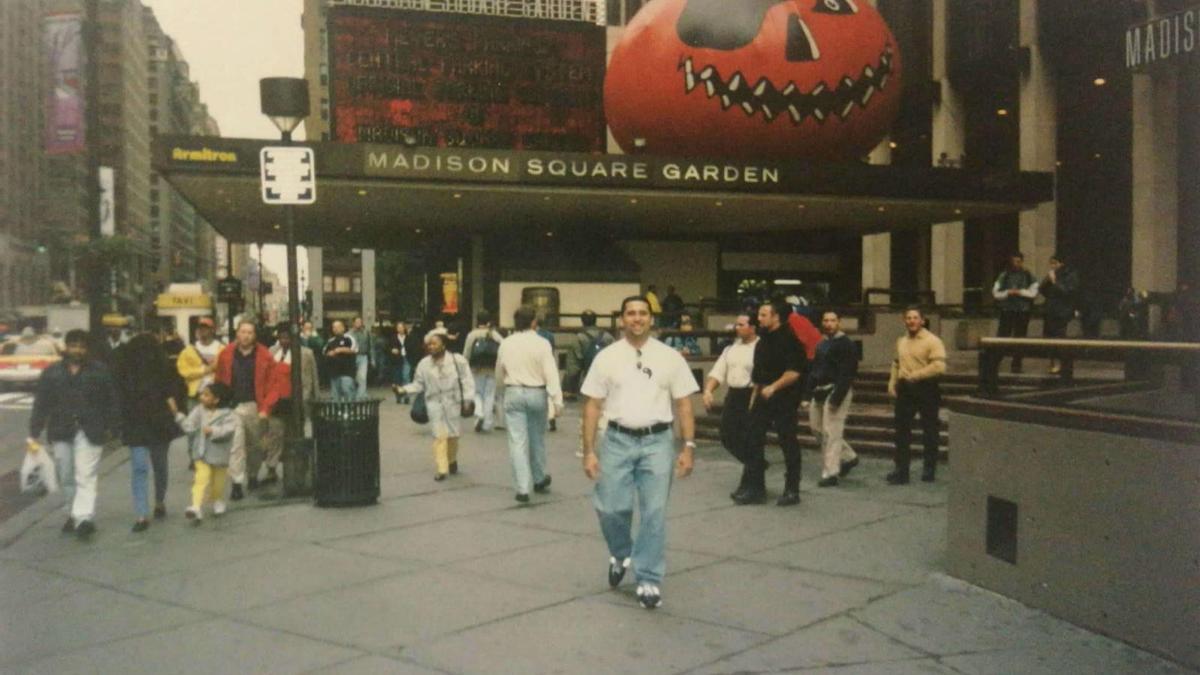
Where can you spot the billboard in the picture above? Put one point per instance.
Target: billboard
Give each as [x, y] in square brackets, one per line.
[63, 41]
[455, 80]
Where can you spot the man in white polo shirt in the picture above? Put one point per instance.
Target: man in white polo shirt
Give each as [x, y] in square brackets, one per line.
[642, 386]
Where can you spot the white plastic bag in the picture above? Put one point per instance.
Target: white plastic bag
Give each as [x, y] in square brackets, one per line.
[37, 472]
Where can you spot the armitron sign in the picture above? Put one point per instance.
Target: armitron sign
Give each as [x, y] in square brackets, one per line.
[1163, 39]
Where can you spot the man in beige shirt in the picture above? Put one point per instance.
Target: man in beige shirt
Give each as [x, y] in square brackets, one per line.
[914, 386]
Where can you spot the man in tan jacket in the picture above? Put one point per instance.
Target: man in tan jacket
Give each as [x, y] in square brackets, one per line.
[916, 371]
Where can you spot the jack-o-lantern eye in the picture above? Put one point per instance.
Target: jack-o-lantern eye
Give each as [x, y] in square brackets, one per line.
[800, 43]
[836, 7]
[720, 24]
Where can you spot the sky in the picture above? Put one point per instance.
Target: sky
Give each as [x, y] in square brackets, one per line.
[229, 46]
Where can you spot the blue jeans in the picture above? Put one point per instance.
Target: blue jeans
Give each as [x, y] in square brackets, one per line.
[361, 362]
[485, 398]
[525, 421]
[401, 373]
[142, 458]
[640, 466]
[343, 388]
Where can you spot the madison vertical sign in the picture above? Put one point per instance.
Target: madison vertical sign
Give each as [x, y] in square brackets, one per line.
[443, 80]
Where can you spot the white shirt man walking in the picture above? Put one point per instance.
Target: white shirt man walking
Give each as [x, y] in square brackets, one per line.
[526, 366]
[642, 386]
[733, 370]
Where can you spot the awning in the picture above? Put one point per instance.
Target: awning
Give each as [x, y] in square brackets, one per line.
[382, 195]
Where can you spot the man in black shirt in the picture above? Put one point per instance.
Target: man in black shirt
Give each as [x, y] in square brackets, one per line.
[340, 355]
[778, 361]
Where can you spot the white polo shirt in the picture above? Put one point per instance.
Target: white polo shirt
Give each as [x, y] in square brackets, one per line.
[639, 397]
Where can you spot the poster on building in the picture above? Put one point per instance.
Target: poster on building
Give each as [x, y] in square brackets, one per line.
[457, 80]
[63, 42]
[108, 201]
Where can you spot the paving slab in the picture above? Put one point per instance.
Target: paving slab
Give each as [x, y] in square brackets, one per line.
[743, 530]
[762, 598]
[266, 578]
[914, 667]
[915, 544]
[403, 611]
[22, 585]
[572, 515]
[57, 625]
[1089, 655]
[447, 541]
[839, 641]
[575, 565]
[584, 636]
[377, 665]
[159, 553]
[946, 617]
[216, 646]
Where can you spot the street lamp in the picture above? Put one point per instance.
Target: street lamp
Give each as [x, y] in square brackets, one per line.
[285, 102]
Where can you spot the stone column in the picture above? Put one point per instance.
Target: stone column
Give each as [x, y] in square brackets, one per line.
[949, 131]
[1155, 180]
[1039, 120]
[877, 248]
[368, 286]
[316, 283]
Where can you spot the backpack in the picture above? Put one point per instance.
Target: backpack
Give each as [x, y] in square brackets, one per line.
[590, 351]
[484, 352]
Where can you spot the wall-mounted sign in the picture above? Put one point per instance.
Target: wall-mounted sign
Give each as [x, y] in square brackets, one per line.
[62, 36]
[1163, 39]
[446, 80]
[287, 175]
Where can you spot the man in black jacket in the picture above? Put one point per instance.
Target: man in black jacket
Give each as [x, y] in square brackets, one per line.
[1059, 286]
[778, 363]
[76, 404]
[829, 394]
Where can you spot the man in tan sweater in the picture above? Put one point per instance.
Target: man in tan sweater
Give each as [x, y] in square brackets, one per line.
[918, 368]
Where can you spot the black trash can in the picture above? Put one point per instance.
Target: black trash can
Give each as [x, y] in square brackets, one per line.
[346, 436]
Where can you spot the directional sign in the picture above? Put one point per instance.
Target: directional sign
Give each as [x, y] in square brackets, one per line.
[288, 176]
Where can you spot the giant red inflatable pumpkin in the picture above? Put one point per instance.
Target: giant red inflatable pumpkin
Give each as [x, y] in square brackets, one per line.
[782, 79]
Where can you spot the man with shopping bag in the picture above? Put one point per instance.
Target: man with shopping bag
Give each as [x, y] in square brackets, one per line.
[76, 405]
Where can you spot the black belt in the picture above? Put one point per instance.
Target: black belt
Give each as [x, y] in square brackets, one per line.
[641, 431]
[527, 386]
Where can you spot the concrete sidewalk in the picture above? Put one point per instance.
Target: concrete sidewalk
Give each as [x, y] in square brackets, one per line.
[456, 577]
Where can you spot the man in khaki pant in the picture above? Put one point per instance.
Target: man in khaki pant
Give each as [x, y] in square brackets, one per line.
[245, 367]
[830, 392]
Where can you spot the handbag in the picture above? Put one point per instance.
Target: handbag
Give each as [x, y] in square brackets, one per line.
[418, 411]
[38, 473]
[468, 407]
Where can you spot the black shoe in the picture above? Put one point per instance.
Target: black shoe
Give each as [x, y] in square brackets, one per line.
[453, 467]
[69, 526]
[272, 477]
[750, 495]
[831, 481]
[252, 485]
[522, 497]
[616, 571]
[928, 473]
[140, 525]
[439, 477]
[788, 498]
[85, 529]
[649, 596]
[897, 477]
[553, 425]
[543, 486]
[160, 511]
[479, 425]
[236, 493]
[847, 467]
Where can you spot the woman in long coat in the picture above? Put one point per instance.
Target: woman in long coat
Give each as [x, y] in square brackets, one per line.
[443, 376]
[148, 389]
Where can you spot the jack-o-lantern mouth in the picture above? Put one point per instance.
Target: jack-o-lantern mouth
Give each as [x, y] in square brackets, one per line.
[820, 102]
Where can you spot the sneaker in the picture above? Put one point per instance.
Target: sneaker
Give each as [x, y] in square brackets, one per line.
[194, 514]
[69, 526]
[236, 494]
[85, 529]
[140, 525]
[439, 477]
[479, 425]
[160, 511]
[616, 571]
[553, 425]
[522, 498]
[219, 508]
[453, 467]
[649, 596]
[543, 486]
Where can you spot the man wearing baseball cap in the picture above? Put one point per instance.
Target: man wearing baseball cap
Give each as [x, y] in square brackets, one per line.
[198, 361]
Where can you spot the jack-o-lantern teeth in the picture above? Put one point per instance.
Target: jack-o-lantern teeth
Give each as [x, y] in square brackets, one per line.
[820, 102]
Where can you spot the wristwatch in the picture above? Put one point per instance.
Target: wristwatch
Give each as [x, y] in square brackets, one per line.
[690, 444]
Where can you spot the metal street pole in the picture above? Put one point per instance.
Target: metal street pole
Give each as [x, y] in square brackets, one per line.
[94, 274]
[293, 465]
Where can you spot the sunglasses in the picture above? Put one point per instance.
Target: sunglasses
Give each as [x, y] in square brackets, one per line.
[649, 373]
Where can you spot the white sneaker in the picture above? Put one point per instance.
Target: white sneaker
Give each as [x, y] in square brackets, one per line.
[218, 508]
[649, 596]
[194, 514]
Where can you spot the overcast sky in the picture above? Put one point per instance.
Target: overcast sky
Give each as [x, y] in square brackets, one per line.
[229, 46]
